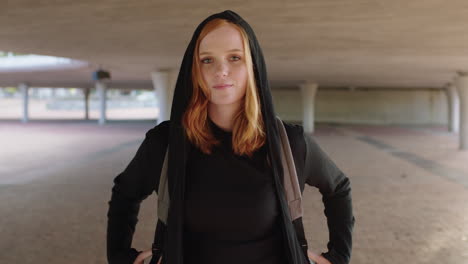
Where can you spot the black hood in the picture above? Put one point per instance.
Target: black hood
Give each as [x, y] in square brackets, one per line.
[179, 146]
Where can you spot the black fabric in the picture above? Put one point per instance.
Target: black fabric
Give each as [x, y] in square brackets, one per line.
[179, 147]
[141, 178]
[242, 223]
[142, 175]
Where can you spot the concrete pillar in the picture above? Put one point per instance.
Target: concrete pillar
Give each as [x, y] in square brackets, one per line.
[101, 91]
[164, 82]
[461, 82]
[86, 102]
[24, 89]
[453, 108]
[308, 91]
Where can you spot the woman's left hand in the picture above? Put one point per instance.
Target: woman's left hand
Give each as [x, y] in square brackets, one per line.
[317, 258]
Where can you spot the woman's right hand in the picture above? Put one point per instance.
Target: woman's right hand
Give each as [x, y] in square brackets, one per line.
[143, 255]
[318, 259]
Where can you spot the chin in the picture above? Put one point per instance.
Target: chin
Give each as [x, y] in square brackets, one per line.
[221, 102]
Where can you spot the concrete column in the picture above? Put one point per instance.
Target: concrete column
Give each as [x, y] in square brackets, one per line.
[86, 102]
[308, 91]
[101, 91]
[164, 82]
[461, 82]
[24, 89]
[453, 108]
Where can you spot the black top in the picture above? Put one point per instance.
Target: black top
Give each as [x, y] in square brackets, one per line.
[314, 168]
[332, 183]
[231, 210]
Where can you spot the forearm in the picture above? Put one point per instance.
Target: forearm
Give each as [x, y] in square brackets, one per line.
[122, 219]
[340, 221]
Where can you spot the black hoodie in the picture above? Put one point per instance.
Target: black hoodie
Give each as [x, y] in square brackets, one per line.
[141, 176]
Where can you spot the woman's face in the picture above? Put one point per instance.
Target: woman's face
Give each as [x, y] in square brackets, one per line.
[222, 65]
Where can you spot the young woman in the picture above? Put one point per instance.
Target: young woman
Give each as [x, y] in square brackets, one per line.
[224, 167]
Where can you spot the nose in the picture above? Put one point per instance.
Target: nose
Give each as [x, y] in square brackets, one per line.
[222, 70]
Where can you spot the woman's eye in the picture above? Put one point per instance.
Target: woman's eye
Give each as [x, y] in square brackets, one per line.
[207, 60]
[235, 58]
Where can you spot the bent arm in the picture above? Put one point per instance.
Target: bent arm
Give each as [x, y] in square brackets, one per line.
[335, 187]
[139, 179]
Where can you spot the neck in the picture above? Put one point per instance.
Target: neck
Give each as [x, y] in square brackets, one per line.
[223, 115]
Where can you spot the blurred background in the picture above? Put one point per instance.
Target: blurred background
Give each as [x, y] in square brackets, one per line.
[382, 86]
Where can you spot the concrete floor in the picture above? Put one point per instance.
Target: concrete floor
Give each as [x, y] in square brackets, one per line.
[410, 187]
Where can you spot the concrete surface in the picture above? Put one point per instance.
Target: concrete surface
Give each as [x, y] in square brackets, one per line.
[383, 107]
[372, 106]
[396, 43]
[409, 191]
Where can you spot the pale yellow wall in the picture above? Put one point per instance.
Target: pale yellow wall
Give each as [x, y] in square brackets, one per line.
[419, 107]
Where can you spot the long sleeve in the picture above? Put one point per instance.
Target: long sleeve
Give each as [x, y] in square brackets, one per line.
[139, 179]
[335, 188]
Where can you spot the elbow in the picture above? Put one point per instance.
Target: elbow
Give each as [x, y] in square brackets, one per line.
[341, 188]
[338, 204]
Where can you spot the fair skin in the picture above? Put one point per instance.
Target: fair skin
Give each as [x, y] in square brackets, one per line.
[222, 63]
[143, 255]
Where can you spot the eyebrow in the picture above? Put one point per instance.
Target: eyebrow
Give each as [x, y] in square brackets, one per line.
[207, 52]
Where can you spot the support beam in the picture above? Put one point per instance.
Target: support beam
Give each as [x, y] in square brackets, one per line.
[453, 108]
[164, 82]
[461, 82]
[86, 102]
[101, 90]
[24, 89]
[308, 92]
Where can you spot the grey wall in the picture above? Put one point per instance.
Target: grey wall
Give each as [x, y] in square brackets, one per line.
[373, 106]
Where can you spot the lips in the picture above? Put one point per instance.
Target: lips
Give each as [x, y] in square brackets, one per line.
[222, 86]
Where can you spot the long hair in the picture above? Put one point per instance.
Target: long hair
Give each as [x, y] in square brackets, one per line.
[248, 133]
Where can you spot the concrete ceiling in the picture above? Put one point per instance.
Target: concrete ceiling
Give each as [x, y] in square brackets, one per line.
[360, 43]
